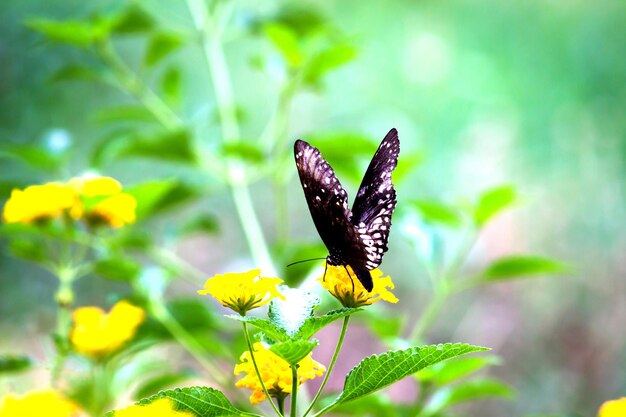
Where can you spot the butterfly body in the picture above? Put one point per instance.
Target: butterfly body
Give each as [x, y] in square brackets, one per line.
[356, 237]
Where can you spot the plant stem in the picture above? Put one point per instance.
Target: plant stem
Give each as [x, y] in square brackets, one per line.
[211, 30]
[256, 368]
[187, 341]
[64, 300]
[294, 390]
[342, 335]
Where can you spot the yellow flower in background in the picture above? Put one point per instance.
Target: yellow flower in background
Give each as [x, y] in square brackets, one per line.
[39, 202]
[242, 291]
[163, 407]
[613, 408]
[275, 372]
[104, 200]
[47, 403]
[90, 185]
[116, 211]
[340, 284]
[96, 333]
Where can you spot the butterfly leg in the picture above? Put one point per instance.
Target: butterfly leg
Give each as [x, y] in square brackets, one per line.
[350, 275]
[325, 269]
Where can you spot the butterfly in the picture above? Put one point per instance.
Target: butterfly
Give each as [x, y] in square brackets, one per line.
[356, 237]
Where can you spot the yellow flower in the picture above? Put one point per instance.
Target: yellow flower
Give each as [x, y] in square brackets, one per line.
[242, 291]
[163, 407]
[39, 202]
[275, 372]
[96, 333]
[46, 402]
[340, 284]
[90, 185]
[104, 200]
[614, 408]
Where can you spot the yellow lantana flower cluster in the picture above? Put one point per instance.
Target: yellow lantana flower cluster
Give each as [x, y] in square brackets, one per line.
[613, 408]
[275, 372]
[46, 402]
[96, 333]
[242, 291]
[92, 198]
[342, 283]
[163, 407]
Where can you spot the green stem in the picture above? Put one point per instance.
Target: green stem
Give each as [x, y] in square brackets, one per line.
[342, 335]
[212, 47]
[294, 390]
[187, 341]
[256, 368]
[64, 300]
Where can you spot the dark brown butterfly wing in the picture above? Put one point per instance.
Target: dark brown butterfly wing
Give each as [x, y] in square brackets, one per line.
[375, 202]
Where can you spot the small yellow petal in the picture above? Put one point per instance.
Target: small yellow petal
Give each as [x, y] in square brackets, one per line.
[117, 210]
[342, 283]
[39, 202]
[613, 408]
[90, 185]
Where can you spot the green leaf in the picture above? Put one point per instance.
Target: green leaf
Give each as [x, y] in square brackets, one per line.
[28, 249]
[200, 224]
[244, 151]
[160, 46]
[169, 146]
[449, 371]
[154, 197]
[327, 60]
[200, 401]
[75, 72]
[270, 329]
[378, 371]
[128, 113]
[286, 41]
[467, 391]
[291, 313]
[74, 32]
[492, 202]
[14, 363]
[118, 268]
[171, 85]
[313, 324]
[133, 19]
[435, 212]
[293, 351]
[32, 155]
[513, 267]
[407, 164]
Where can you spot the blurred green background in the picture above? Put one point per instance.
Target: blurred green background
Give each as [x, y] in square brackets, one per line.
[482, 92]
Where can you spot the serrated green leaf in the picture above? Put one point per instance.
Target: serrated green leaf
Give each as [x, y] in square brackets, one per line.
[378, 371]
[160, 46]
[293, 351]
[290, 313]
[117, 268]
[513, 267]
[286, 41]
[467, 391]
[492, 202]
[200, 401]
[434, 212]
[453, 369]
[313, 324]
[14, 363]
[272, 330]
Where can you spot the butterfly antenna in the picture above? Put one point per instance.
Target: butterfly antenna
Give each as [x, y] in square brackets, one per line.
[305, 260]
[350, 275]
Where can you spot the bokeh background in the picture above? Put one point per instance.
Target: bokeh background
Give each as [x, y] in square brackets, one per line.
[483, 93]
